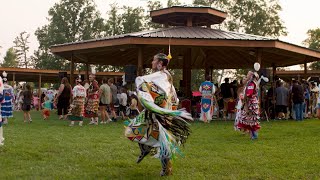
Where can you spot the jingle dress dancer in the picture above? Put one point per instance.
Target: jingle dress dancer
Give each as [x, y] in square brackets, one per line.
[249, 118]
[207, 90]
[76, 110]
[92, 105]
[159, 126]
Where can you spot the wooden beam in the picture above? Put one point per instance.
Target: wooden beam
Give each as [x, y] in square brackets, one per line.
[39, 92]
[305, 68]
[71, 71]
[87, 71]
[140, 62]
[274, 71]
[189, 21]
[187, 72]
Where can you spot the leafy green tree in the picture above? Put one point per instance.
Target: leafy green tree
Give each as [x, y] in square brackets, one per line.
[11, 59]
[173, 3]
[113, 22]
[313, 42]
[69, 21]
[153, 5]
[132, 19]
[259, 17]
[22, 48]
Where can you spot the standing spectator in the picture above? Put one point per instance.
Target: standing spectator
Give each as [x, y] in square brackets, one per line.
[105, 98]
[314, 97]
[114, 100]
[92, 106]
[26, 106]
[282, 95]
[6, 105]
[227, 95]
[42, 96]
[63, 98]
[123, 102]
[133, 106]
[298, 99]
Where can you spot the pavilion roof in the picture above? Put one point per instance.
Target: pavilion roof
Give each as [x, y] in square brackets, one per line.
[210, 47]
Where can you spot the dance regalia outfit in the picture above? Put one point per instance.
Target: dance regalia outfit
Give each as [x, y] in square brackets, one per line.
[159, 126]
[92, 105]
[207, 90]
[6, 105]
[1, 99]
[76, 110]
[249, 120]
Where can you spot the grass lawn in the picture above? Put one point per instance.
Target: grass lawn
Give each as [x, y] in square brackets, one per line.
[53, 150]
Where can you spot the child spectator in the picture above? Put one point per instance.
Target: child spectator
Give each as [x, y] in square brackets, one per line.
[46, 105]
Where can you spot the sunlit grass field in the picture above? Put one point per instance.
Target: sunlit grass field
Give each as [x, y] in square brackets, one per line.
[53, 150]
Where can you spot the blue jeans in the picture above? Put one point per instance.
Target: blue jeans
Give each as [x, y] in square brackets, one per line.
[298, 108]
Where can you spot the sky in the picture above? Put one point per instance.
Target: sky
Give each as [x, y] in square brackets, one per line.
[27, 15]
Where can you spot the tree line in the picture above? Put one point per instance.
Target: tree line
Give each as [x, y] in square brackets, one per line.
[77, 20]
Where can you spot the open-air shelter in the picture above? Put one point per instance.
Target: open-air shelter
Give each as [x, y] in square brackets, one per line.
[194, 45]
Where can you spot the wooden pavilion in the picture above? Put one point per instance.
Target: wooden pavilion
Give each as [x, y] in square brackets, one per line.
[194, 45]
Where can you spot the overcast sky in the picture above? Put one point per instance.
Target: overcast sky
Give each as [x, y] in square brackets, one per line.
[27, 15]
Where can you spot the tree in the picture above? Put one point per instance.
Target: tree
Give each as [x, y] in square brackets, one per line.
[69, 21]
[153, 5]
[173, 3]
[11, 59]
[256, 17]
[313, 42]
[113, 22]
[21, 47]
[259, 17]
[132, 19]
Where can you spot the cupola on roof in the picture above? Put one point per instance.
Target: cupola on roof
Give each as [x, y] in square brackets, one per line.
[188, 16]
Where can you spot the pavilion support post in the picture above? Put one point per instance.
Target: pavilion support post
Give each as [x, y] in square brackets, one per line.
[274, 71]
[305, 69]
[207, 72]
[13, 79]
[87, 71]
[187, 72]
[189, 21]
[39, 92]
[140, 62]
[259, 56]
[72, 71]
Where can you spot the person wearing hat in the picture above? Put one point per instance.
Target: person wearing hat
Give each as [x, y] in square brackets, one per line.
[160, 126]
[6, 105]
[76, 110]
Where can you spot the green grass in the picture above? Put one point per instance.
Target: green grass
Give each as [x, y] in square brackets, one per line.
[53, 150]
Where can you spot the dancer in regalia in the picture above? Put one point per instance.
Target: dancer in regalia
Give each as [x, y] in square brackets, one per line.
[249, 118]
[92, 105]
[1, 121]
[160, 127]
[207, 90]
[76, 110]
[6, 105]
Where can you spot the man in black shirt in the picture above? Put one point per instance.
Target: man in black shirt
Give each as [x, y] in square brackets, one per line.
[298, 99]
[227, 95]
